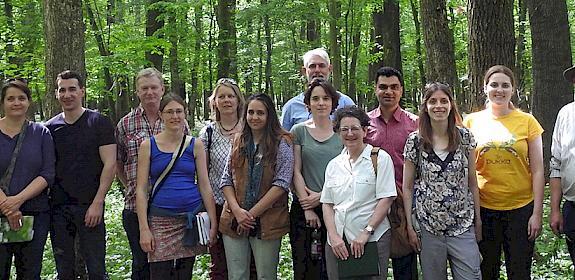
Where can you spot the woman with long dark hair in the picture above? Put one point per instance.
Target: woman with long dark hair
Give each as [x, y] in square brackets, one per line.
[25, 192]
[440, 155]
[509, 160]
[256, 183]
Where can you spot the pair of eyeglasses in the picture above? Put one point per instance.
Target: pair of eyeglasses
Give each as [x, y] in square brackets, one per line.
[352, 129]
[17, 79]
[227, 81]
[171, 112]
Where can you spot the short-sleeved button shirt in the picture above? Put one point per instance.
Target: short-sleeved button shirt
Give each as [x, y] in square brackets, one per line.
[354, 191]
[443, 201]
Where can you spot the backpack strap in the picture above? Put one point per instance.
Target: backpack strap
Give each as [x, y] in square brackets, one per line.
[210, 132]
[373, 155]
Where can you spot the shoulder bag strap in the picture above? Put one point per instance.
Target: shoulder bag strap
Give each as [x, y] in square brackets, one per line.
[7, 177]
[175, 156]
[210, 132]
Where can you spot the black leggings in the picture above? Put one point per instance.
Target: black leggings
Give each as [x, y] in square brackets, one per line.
[180, 269]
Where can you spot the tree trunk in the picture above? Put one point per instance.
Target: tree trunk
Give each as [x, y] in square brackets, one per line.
[386, 39]
[352, 89]
[104, 53]
[64, 45]
[269, 89]
[334, 8]
[225, 15]
[195, 91]
[418, 50]
[178, 87]
[312, 25]
[520, 67]
[153, 24]
[551, 52]
[10, 55]
[491, 41]
[439, 43]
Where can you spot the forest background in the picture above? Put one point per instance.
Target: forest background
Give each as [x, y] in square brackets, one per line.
[260, 43]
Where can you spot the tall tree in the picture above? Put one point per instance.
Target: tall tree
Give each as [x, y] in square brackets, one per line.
[551, 55]
[226, 17]
[64, 40]
[178, 87]
[491, 41]
[334, 8]
[104, 53]
[154, 23]
[439, 44]
[269, 89]
[520, 63]
[385, 37]
[418, 50]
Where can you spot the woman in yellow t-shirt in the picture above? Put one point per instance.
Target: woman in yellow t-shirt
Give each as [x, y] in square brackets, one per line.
[509, 161]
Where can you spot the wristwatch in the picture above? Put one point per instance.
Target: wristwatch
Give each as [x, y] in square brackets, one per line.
[369, 229]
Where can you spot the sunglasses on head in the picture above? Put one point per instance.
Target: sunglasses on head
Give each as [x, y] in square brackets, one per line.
[22, 80]
[227, 81]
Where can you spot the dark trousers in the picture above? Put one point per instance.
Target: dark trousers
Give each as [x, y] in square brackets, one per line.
[569, 228]
[304, 267]
[27, 255]
[405, 268]
[180, 269]
[218, 267]
[507, 230]
[67, 221]
[140, 267]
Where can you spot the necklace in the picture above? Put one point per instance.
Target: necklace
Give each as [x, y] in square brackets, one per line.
[228, 130]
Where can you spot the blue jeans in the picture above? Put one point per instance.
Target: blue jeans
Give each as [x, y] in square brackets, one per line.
[140, 266]
[27, 255]
[67, 221]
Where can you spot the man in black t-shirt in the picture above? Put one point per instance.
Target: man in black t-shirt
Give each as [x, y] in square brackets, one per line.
[85, 169]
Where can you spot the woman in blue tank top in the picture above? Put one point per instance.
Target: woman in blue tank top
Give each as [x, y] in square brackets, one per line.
[164, 224]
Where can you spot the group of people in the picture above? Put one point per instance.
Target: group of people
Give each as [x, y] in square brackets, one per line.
[463, 190]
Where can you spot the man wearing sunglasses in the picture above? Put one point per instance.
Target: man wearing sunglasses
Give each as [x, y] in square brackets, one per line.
[562, 167]
[389, 128]
[316, 65]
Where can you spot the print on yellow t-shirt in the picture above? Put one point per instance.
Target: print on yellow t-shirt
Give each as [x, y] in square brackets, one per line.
[502, 157]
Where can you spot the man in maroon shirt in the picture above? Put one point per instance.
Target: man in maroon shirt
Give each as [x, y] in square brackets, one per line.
[389, 127]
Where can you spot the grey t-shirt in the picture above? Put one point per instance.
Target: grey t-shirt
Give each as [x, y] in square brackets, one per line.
[315, 155]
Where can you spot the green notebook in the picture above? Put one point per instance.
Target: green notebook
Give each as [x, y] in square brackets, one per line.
[366, 265]
[26, 232]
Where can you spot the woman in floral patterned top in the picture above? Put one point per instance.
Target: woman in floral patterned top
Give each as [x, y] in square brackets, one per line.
[439, 157]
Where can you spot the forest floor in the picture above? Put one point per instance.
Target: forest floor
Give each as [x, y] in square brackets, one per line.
[551, 259]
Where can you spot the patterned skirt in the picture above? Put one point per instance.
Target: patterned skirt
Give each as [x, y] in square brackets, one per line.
[168, 234]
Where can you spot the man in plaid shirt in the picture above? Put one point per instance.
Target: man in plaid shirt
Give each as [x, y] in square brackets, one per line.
[141, 123]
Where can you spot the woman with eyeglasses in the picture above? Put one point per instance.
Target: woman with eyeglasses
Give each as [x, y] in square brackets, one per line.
[440, 155]
[24, 188]
[227, 104]
[165, 220]
[509, 160]
[356, 195]
[315, 144]
[256, 183]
